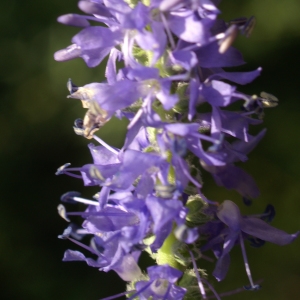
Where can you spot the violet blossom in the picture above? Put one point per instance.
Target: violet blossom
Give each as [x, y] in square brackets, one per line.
[165, 75]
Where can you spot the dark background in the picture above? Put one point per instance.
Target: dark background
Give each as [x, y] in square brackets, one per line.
[36, 137]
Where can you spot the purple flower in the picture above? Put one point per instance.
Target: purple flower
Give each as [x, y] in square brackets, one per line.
[231, 228]
[161, 284]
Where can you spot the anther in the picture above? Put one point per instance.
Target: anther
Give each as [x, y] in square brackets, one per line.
[230, 36]
[255, 287]
[69, 197]
[164, 191]
[249, 26]
[74, 197]
[269, 213]
[66, 233]
[61, 169]
[95, 173]
[268, 100]
[72, 88]
[62, 212]
[238, 21]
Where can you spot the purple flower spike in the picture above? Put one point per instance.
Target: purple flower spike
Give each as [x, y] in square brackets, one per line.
[165, 76]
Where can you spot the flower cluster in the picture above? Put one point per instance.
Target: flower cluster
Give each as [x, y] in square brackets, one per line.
[165, 75]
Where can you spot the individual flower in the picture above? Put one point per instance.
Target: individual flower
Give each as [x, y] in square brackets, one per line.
[161, 284]
[232, 228]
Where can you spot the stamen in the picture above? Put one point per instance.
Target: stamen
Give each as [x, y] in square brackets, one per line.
[63, 212]
[252, 286]
[238, 21]
[269, 213]
[68, 197]
[205, 137]
[100, 141]
[205, 199]
[249, 26]
[73, 197]
[73, 175]
[135, 119]
[66, 233]
[78, 232]
[200, 284]
[118, 295]
[169, 34]
[95, 173]
[216, 146]
[236, 291]
[72, 88]
[230, 36]
[61, 169]
[84, 246]
[268, 100]
[165, 191]
[188, 175]
[212, 289]
[86, 201]
[139, 292]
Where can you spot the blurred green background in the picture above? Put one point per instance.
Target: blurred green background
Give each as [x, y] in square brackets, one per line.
[37, 137]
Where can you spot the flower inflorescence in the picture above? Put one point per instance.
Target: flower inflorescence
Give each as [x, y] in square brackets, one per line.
[165, 74]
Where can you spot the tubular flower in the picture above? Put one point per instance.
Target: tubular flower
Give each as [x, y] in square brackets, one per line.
[165, 75]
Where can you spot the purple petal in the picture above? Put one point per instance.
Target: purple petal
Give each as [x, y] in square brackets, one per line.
[229, 214]
[168, 100]
[128, 268]
[117, 96]
[71, 255]
[73, 20]
[102, 156]
[194, 94]
[238, 77]
[182, 129]
[223, 262]
[186, 59]
[218, 93]
[71, 52]
[266, 232]
[95, 56]
[164, 272]
[111, 69]
[96, 37]
[189, 28]
[236, 124]
[94, 8]
[209, 57]
[222, 267]
[232, 177]
[141, 162]
[243, 147]
[154, 41]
